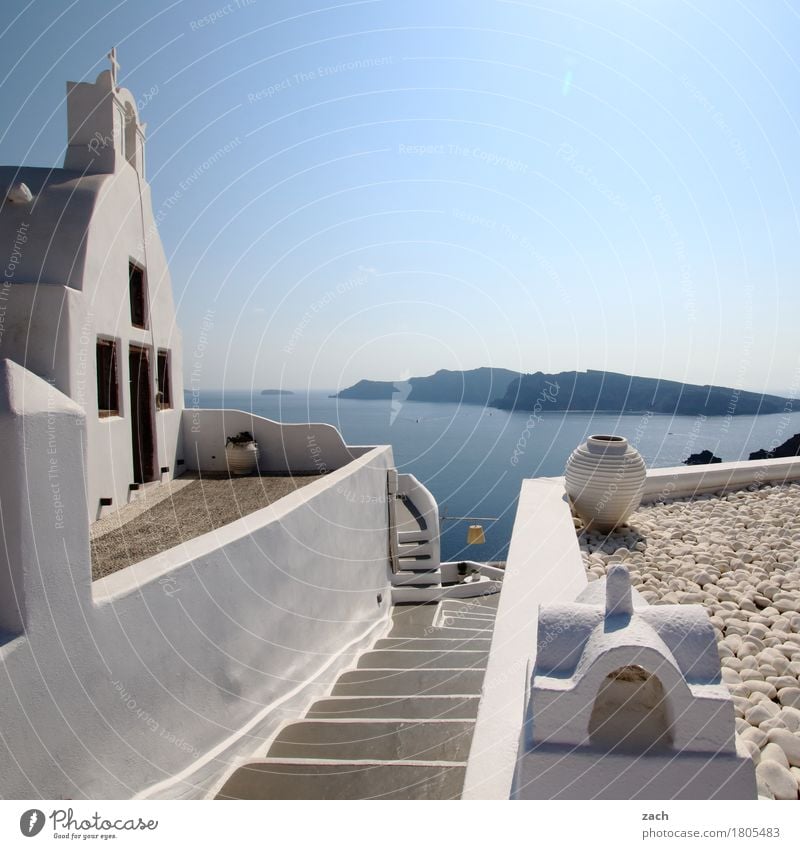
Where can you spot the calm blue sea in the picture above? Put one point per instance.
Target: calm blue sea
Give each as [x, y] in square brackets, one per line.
[473, 459]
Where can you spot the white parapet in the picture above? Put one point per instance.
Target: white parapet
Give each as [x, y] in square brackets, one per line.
[313, 448]
[544, 565]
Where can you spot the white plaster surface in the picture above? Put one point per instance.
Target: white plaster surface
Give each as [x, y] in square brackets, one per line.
[119, 685]
[581, 648]
[544, 565]
[298, 448]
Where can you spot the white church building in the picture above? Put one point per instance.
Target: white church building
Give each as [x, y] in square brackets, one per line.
[87, 297]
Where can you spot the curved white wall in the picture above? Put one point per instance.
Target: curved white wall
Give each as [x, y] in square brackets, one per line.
[284, 448]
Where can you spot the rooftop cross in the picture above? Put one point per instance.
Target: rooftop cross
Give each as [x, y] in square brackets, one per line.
[112, 56]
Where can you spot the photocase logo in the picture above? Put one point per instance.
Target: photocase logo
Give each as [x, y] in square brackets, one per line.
[399, 396]
[31, 822]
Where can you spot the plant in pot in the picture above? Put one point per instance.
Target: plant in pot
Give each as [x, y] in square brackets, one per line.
[241, 452]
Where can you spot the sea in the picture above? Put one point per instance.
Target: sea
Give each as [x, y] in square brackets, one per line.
[473, 459]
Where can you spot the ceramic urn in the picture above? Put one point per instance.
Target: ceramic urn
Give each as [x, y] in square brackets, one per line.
[605, 480]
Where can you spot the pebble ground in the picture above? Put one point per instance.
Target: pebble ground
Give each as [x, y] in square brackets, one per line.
[738, 554]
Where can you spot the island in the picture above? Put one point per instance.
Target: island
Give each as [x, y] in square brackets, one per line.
[277, 392]
[611, 392]
[475, 386]
[369, 390]
[572, 391]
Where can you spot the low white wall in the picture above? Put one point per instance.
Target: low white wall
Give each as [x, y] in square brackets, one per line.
[544, 565]
[680, 481]
[155, 670]
[284, 448]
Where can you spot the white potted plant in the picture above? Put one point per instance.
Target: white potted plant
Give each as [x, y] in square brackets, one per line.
[241, 453]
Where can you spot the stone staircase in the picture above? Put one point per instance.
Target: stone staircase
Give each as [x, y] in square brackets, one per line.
[398, 726]
[419, 576]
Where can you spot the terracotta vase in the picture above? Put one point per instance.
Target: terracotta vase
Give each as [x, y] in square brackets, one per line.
[242, 458]
[605, 480]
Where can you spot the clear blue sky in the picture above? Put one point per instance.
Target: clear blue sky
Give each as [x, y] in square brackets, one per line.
[424, 184]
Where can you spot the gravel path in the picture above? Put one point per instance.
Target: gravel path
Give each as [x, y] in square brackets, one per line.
[194, 508]
[739, 555]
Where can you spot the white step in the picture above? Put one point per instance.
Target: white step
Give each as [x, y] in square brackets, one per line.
[415, 549]
[395, 707]
[423, 595]
[281, 778]
[377, 739]
[407, 577]
[471, 622]
[409, 682]
[467, 608]
[479, 643]
[413, 536]
[416, 659]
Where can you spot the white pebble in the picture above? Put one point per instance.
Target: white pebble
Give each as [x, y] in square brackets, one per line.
[761, 713]
[749, 748]
[773, 752]
[781, 682]
[760, 687]
[791, 718]
[789, 744]
[789, 696]
[777, 779]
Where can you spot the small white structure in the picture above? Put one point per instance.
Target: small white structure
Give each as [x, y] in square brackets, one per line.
[626, 701]
[86, 298]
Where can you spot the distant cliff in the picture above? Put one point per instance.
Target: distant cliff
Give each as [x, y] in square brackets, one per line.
[368, 390]
[600, 391]
[613, 393]
[476, 386]
[277, 392]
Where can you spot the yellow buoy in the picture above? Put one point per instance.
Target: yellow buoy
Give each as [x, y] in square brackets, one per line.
[475, 535]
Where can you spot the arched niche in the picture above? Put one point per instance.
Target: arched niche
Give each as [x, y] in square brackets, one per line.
[134, 150]
[631, 712]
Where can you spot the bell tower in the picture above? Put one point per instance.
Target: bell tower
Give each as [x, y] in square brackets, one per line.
[105, 134]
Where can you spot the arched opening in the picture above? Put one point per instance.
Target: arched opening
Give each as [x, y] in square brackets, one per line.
[630, 712]
[132, 142]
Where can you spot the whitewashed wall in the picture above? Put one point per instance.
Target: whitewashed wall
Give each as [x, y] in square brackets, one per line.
[297, 448]
[114, 237]
[70, 286]
[115, 686]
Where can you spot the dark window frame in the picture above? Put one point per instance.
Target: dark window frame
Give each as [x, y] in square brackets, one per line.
[164, 379]
[137, 294]
[108, 396]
